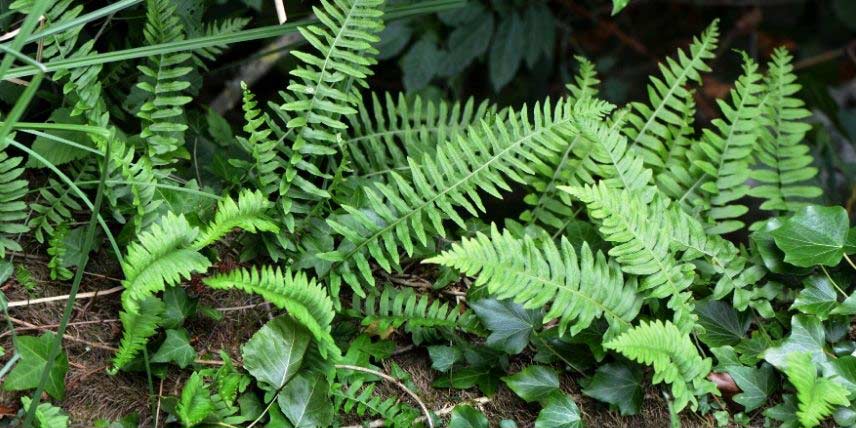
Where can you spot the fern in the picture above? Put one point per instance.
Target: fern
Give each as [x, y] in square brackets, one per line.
[672, 355]
[642, 234]
[303, 298]
[163, 255]
[47, 415]
[405, 210]
[13, 213]
[585, 84]
[266, 162]
[817, 396]
[250, 213]
[57, 251]
[163, 111]
[138, 325]
[537, 274]
[648, 124]
[56, 205]
[361, 399]
[785, 159]
[392, 309]
[217, 28]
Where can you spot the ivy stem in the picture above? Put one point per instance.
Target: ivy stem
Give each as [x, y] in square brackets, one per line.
[834, 284]
[850, 261]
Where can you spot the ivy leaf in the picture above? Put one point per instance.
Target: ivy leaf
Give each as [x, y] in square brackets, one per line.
[843, 369]
[485, 378]
[420, 64]
[507, 50]
[509, 323]
[850, 245]
[175, 349]
[757, 385]
[195, 403]
[274, 354]
[722, 323]
[817, 298]
[807, 335]
[560, 411]
[466, 43]
[34, 356]
[534, 383]
[443, 357]
[178, 307]
[465, 416]
[815, 235]
[619, 384]
[47, 415]
[304, 401]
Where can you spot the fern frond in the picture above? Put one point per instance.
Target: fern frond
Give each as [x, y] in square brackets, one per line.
[263, 150]
[673, 356]
[305, 300]
[817, 397]
[47, 415]
[249, 213]
[163, 255]
[138, 325]
[420, 316]
[642, 236]
[217, 28]
[57, 251]
[360, 399]
[723, 158]
[785, 161]
[13, 209]
[648, 123]
[56, 205]
[586, 82]
[163, 112]
[406, 209]
[537, 274]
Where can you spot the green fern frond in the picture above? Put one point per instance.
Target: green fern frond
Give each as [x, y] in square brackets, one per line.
[47, 415]
[406, 209]
[217, 28]
[163, 255]
[250, 213]
[138, 325]
[57, 251]
[648, 123]
[60, 44]
[56, 205]
[785, 161]
[722, 160]
[266, 161]
[586, 82]
[305, 300]
[420, 316]
[537, 274]
[673, 356]
[642, 236]
[360, 398]
[13, 209]
[679, 174]
[817, 397]
[163, 111]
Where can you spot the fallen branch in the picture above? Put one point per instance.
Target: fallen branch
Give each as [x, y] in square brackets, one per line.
[64, 297]
[397, 383]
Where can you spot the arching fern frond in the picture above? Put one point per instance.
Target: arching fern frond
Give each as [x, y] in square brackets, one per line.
[673, 356]
[538, 274]
[266, 161]
[13, 209]
[305, 300]
[393, 308]
[360, 398]
[647, 124]
[785, 168]
[57, 251]
[586, 82]
[642, 236]
[56, 205]
[249, 213]
[217, 28]
[406, 209]
[138, 325]
[817, 397]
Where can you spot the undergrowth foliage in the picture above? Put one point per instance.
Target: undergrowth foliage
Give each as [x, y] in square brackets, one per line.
[358, 217]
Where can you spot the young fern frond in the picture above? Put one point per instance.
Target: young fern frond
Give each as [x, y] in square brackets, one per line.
[405, 210]
[420, 316]
[163, 111]
[785, 167]
[385, 135]
[57, 251]
[586, 82]
[817, 397]
[642, 236]
[249, 213]
[266, 162]
[56, 205]
[305, 300]
[723, 158]
[648, 123]
[673, 356]
[138, 325]
[13, 209]
[538, 274]
[360, 398]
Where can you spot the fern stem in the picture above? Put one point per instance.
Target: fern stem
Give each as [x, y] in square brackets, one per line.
[397, 383]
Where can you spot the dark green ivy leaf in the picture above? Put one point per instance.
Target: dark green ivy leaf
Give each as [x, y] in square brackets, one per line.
[559, 411]
[534, 383]
[722, 323]
[443, 357]
[509, 323]
[807, 335]
[757, 385]
[178, 307]
[619, 384]
[815, 235]
[465, 416]
[28, 371]
[175, 349]
[817, 298]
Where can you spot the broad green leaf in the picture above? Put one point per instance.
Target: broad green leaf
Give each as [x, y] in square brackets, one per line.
[28, 372]
[534, 383]
[420, 64]
[539, 27]
[465, 416]
[466, 43]
[6, 271]
[274, 354]
[807, 335]
[175, 349]
[506, 52]
[47, 415]
[485, 378]
[619, 384]
[305, 402]
[817, 298]
[195, 403]
[723, 324]
[815, 235]
[843, 370]
[756, 384]
[178, 307]
[58, 153]
[560, 411]
[618, 5]
[394, 37]
[850, 245]
[510, 325]
[785, 412]
[443, 357]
